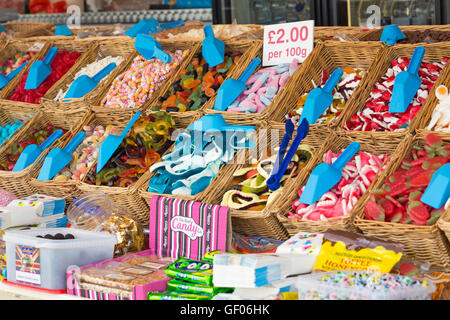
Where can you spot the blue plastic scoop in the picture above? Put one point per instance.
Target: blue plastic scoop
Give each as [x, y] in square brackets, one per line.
[33, 151]
[172, 24]
[407, 83]
[4, 80]
[147, 26]
[112, 142]
[149, 48]
[213, 50]
[326, 176]
[391, 34]
[2, 28]
[58, 158]
[85, 84]
[232, 88]
[40, 70]
[319, 99]
[279, 169]
[438, 191]
[63, 30]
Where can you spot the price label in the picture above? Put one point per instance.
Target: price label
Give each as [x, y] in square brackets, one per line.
[287, 41]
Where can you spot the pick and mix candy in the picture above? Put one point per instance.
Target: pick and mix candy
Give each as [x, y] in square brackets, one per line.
[16, 61]
[440, 118]
[362, 285]
[197, 84]
[357, 176]
[376, 115]
[344, 89]
[8, 130]
[262, 87]
[6, 197]
[343, 250]
[135, 86]
[63, 61]
[86, 153]
[91, 70]
[37, 137]
[398, 200]
[249, 190]
[141, 148]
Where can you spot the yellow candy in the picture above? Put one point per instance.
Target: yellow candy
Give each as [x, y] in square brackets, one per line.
[61, 178]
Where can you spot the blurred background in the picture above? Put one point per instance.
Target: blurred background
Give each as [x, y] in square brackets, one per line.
[324, 12]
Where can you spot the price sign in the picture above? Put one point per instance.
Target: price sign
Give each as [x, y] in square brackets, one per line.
[287, 41]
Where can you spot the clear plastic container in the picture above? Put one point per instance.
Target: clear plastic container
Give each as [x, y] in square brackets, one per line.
[314, 287]
[42, 263]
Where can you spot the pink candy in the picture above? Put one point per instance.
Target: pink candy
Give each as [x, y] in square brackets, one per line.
[357, 176]
[136, 85]
[262, 87]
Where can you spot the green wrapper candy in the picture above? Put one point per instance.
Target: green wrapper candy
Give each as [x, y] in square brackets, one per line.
[170, 295]
[209, 256]
[193, 271]
[175, 285]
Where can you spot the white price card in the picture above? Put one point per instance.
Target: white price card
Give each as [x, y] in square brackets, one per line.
[287, 41]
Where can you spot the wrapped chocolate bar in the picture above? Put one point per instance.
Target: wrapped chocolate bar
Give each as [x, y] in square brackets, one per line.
[96, 212]
[343, 250]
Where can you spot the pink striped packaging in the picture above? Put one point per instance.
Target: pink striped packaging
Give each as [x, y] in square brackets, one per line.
[184, 228]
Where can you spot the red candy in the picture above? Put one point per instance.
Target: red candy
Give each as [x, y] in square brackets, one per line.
[62, 62]
[398, 200]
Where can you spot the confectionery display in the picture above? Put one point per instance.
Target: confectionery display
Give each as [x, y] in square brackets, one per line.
[144, 190]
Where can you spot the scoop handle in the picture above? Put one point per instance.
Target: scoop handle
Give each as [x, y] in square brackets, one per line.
[333, 80]
[250, 69]
[48, 142]
[130, 124]
[161, 55]
[104, 72]
[416, 60]
[50, 55]
[75, 142]
[208, 30]
[346, 156]
[16, 71]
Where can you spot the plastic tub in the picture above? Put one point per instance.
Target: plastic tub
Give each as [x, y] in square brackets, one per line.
[42, 263]
[321, 286]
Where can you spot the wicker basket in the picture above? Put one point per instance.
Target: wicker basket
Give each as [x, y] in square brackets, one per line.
[444, 224]
[251, 32]
[13, 47]
[19, 182]
[19, 30]
[85, 48]
[128, 197]
[423, 243]
[248, 49]
[68, 189]
[100, 50]
[270, 111]
[433, 53]
[329, 56]
[375, 34]
[166, 45]
[337, 142]
[348, 33]
[12, 113]
[265, 222]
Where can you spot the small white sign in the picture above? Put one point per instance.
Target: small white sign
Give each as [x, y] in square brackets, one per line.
[287, 41]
